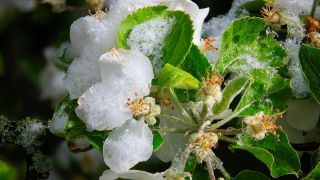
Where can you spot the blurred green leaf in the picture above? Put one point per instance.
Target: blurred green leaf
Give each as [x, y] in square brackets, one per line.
[7, 172]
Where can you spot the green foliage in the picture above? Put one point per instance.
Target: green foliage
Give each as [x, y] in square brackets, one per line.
[275, 152]
[248, 175]
[173, 77]
[310, 66]
[7, 172]
[266, 90]
[76, 128]
[314, 174]
[242, 38]
[233, 88]
[177, 43]
[157, 141]
[196, 63]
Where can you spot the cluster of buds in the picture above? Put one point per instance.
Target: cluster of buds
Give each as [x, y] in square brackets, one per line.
[146, 108]
[314, 25]
[270, 14]
[315, 39]
[261, 124]
[208, 45]
[202, 144]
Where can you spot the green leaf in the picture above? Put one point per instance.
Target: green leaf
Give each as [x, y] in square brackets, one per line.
[233, 88]
[310, 66]
[177, 43]
[76, 128]
[242, 39]
[197, 65]
[275, 152]
[266, 90]
[7, 172]
[314, 174]
[157, 141]
[173, 77]
[248, 175]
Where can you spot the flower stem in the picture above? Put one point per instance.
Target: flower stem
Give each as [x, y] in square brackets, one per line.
[219, 165]
[229, 131]
[170, 130]
[227, 139]
[233, 115]
[210, 168]
[173, 118]
[314, 8]
[180, 108]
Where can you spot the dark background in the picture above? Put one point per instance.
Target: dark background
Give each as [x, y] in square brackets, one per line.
[23, 37]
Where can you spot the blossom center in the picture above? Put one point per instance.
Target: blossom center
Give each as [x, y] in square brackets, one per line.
[138, 107]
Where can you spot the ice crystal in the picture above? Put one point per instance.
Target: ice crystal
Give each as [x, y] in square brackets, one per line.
[149, 37]
[300, 87]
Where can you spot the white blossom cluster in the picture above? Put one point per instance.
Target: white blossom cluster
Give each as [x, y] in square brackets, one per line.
[106, 79]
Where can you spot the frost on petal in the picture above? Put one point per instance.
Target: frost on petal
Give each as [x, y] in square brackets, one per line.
[128, 145]
[303, 114]
[197, 15]
[131, 66]
[82, 73]
[103, 106]
[90, 32]
[131, 174]
[173, 142]
[149, 38]
[300, 87]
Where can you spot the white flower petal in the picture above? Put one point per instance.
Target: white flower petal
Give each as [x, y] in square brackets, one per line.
[82, 73]
[90, 32]
[303, 114]
[131, 174]
[197, 15]
[128, 145]
[130, 65]
[103, 106]
[173, 142]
